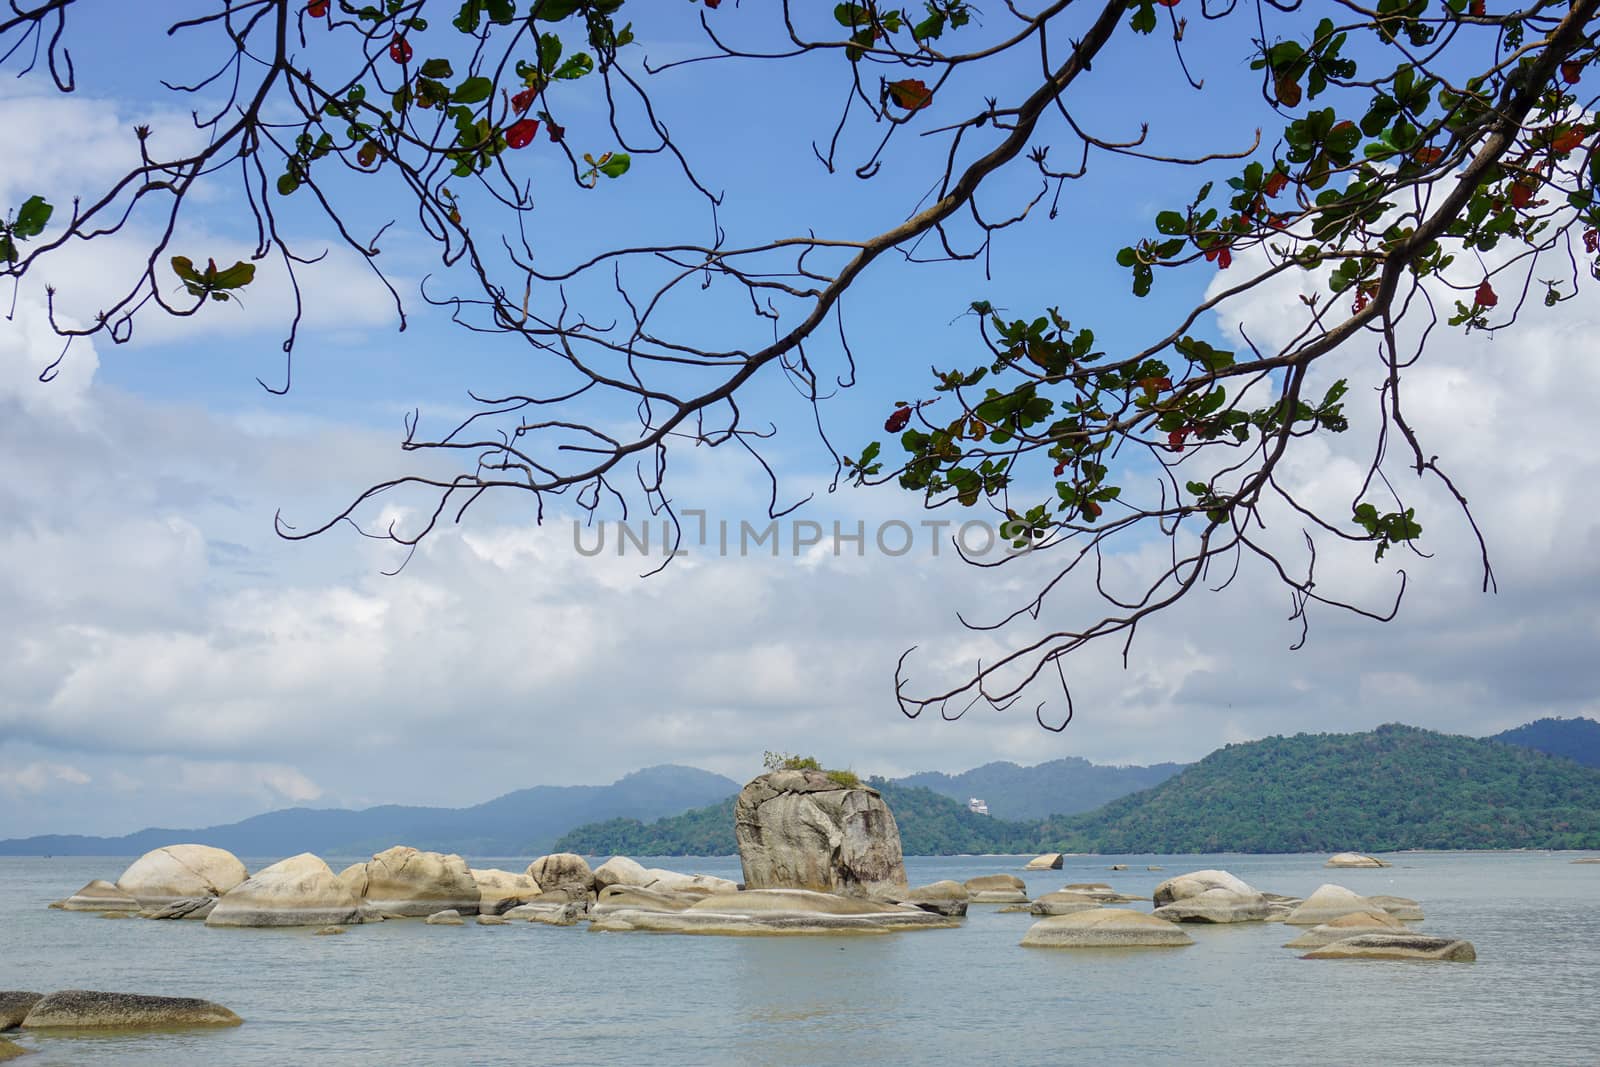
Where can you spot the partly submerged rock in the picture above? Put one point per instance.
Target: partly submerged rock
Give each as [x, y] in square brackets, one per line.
[447, 917]
[10, 1050]
[1105, 928]
[563, 872]
[948, 898]
[1357, 922]
[1395, 947]
[100, 895]
[500, 890]
[1049, 861]
[1217, 906]
[805, 830]
[1588, 859]
[997, 889]
[1353, 859]
[408, 882]
[178, 872]
[15, 1005]
[1327, 903]
[775, 911]
[1065, 902]
[624, 897]
[1194, 883]
[492, 920]
[182, 908]
[82, 1009]
[298, 891]
[1403, 908]
[329, 931]
[557, 909]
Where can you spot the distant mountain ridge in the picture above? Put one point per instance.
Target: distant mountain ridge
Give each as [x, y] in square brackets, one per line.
[1396, 787]
[1059, 787]
[1575, 739]
[524, 822]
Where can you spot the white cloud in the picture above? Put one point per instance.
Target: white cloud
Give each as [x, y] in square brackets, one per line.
[36, 777]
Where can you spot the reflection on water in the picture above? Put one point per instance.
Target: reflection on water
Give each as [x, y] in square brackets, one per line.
[404, 992]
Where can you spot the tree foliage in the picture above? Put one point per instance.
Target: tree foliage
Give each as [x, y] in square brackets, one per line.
[1431, 164]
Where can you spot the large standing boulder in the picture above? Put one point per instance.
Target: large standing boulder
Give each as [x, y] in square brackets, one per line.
[15, 1005]
[499, 891]
[179, 872]
[407, 882]
[804, 830]
[1049, 861]
[1105, 928]
[100, 895]
[563, 872]
[298, 891]
[84, 1009]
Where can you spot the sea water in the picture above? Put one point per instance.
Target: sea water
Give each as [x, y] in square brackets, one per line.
[407, 993]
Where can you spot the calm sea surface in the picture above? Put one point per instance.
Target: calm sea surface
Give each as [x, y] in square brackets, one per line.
[404, 993]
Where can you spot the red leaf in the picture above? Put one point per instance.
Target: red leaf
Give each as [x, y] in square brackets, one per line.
[1571, 71]
[1176, 438]
[1569, 140]
[1485, 297]
[713, 4]
[898, 420]
[1220, 255]
[1591, 240]
[1167, 3]
[520, 133]
[1521, 194]
[1275, 183]
[400, 50]
[1091, 510]
[317, 9]
[1428, 155]
[912, 94]
[556, 132]
[523, 101]
[1476, 9]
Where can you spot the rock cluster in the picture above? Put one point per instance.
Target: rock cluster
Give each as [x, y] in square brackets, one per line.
[1210, 897]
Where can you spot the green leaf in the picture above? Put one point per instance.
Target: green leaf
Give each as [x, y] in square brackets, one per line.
[437, 68]
[615, 165]
[287, 183]
[549, 52]
[576, 67]
[556, 10]
[1171, 223]
[31, 217]
[474, 90]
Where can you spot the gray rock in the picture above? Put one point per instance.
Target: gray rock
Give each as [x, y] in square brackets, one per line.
[1064, 902]
[803, 830]
[492, 920]
[14, 1007]
[298, 891]
[100, 895]
[329, 931]
[1395, 947]
[1403, 908]
[1353, 859]
[1217, 906]
[81, 1009]
[619, 897]
[500, 891]
[777, 912]
[1345, 926]
[180, 872]
[1050, 861]
[1196, 882]
[409, 882]
[1105, 928]
[560, 910]
[182, 908]
[1327, 903]
[997, 889]
[948, 898]
[447, 917]
[563, 873]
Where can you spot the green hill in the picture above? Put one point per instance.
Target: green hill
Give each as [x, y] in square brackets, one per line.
[1059, 787]
[1576, 739]
[1396, 787]
[930, 825]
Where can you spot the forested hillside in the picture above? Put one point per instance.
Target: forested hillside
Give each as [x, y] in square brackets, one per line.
[1396, 787]
[1575, 739]
[1059, 787]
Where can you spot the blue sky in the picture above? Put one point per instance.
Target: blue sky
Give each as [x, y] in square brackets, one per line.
[169, 660]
